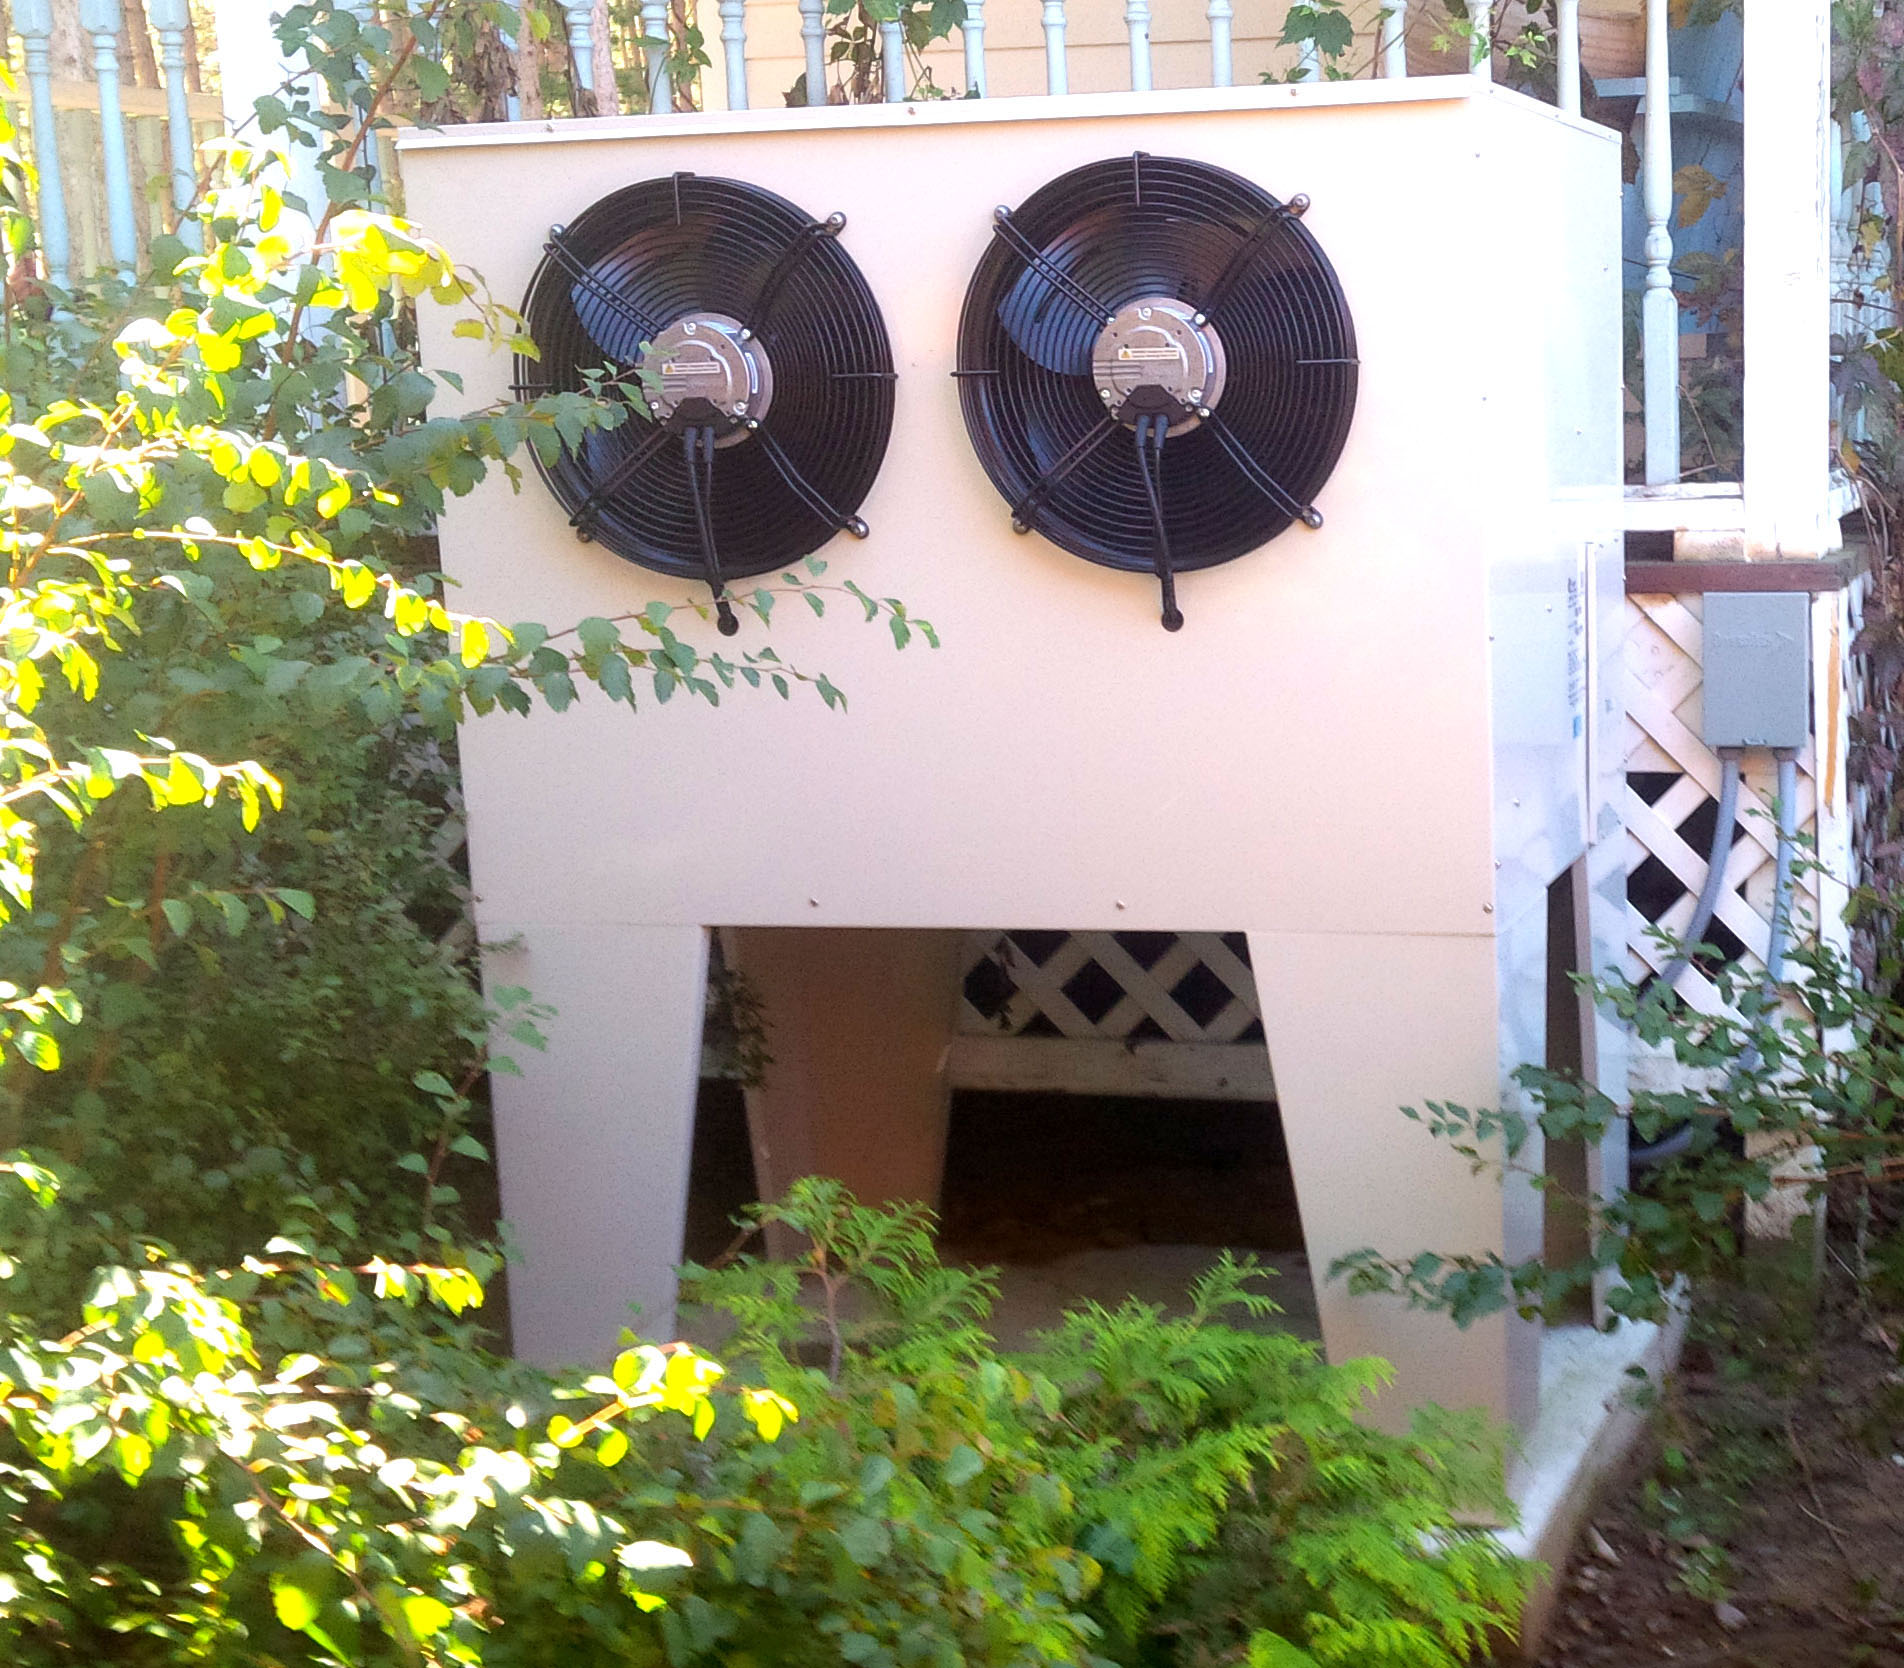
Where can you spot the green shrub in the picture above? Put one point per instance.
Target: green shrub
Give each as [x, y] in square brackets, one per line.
[1215, 1478]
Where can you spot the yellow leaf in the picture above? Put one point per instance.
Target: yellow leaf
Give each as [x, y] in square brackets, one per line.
[474, 643]
[217, 353]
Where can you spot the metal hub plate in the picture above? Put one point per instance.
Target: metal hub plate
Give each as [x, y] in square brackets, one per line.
[1157, 342]
[712, 357]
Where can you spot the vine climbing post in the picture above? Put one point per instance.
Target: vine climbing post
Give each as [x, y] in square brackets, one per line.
[1659, 307]
[1395, 39]
[813, 37]
[171, 18]
[581, 47]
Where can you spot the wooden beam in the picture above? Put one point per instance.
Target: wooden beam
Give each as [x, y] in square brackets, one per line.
[1103, 1066]
[1680, 578]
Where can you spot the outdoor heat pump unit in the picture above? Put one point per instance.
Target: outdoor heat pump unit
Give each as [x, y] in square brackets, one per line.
[1262, 361]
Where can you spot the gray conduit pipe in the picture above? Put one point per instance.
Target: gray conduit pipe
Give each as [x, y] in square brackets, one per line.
[1675, 1142]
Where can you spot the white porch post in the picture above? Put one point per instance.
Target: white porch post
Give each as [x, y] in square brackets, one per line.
[1659, 307]
[250, 65]
[1567, 56]
[1787, 279]
[593, 1139]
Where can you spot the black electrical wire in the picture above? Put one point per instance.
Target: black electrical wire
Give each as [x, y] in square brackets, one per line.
[1151, 432]
[698, 446]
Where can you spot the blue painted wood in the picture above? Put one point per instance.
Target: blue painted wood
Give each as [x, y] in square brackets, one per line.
[734, 39]
[813, 34]
[34, 20]
[172, 18]
[973, 31]
[1222, 68]
[654, 28]
[1057, 74]
[102, 20]
[892, 61]
[581, 44]
[1137, 26]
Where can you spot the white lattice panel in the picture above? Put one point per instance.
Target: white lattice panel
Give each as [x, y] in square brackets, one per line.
[1673, 785]
[1111, 1013]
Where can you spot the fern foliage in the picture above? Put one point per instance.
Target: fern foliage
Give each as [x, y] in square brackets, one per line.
[1198, 1483]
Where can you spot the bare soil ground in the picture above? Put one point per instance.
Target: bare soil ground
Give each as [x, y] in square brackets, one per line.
[1763, 1527]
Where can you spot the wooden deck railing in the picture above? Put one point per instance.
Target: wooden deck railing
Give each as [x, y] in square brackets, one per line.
[76, 195]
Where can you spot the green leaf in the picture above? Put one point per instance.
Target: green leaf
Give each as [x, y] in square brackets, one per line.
[299, 902]
[178, 915]
[962, 1465]
[296, 1603]
[1272, 1650]
[39, 1048]
[433, 1083]
[866, 1540]
[424, 1615]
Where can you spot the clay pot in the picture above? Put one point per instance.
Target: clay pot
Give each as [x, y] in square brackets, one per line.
[1612, 36]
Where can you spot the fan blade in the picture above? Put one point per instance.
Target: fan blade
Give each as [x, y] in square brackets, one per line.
[1047, 326]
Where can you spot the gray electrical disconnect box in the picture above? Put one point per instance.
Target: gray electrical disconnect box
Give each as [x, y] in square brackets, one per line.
[1757, 668]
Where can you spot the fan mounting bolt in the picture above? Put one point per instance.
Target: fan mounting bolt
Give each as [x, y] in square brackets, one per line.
[746, 335]
[1196, 396]
[740, 408]
[1203, 411]
[836, 220]
[1199, 318]
[690, 327]
[1143, 312]
[751, 423]
[1106, 395]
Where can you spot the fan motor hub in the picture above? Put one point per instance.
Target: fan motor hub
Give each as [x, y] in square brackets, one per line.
[1158, 342]
[709, 357]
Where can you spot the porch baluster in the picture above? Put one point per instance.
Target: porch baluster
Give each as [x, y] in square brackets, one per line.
[1222, 70]
[813, 34]
[102, 20]
[1567, 55]
[1395, 39]
[1481, 21]
[1309, 62]
[892, 53]
[973, 30]
[34, 20]
[1659, 316]
[172, 18]
[581, 49]
[734, 39]
[1057, 80]
[654, 27]
[1137, 20]
[512, 101]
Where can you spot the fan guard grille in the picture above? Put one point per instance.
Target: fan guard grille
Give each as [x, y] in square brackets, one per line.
[1095, 241]
[664, 249]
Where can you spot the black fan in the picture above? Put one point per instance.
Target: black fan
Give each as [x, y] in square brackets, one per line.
[754, 358]
[1157, 365]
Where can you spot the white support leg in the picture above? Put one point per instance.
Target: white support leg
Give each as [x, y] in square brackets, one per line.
[593, 1139]
[1359, 1027]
